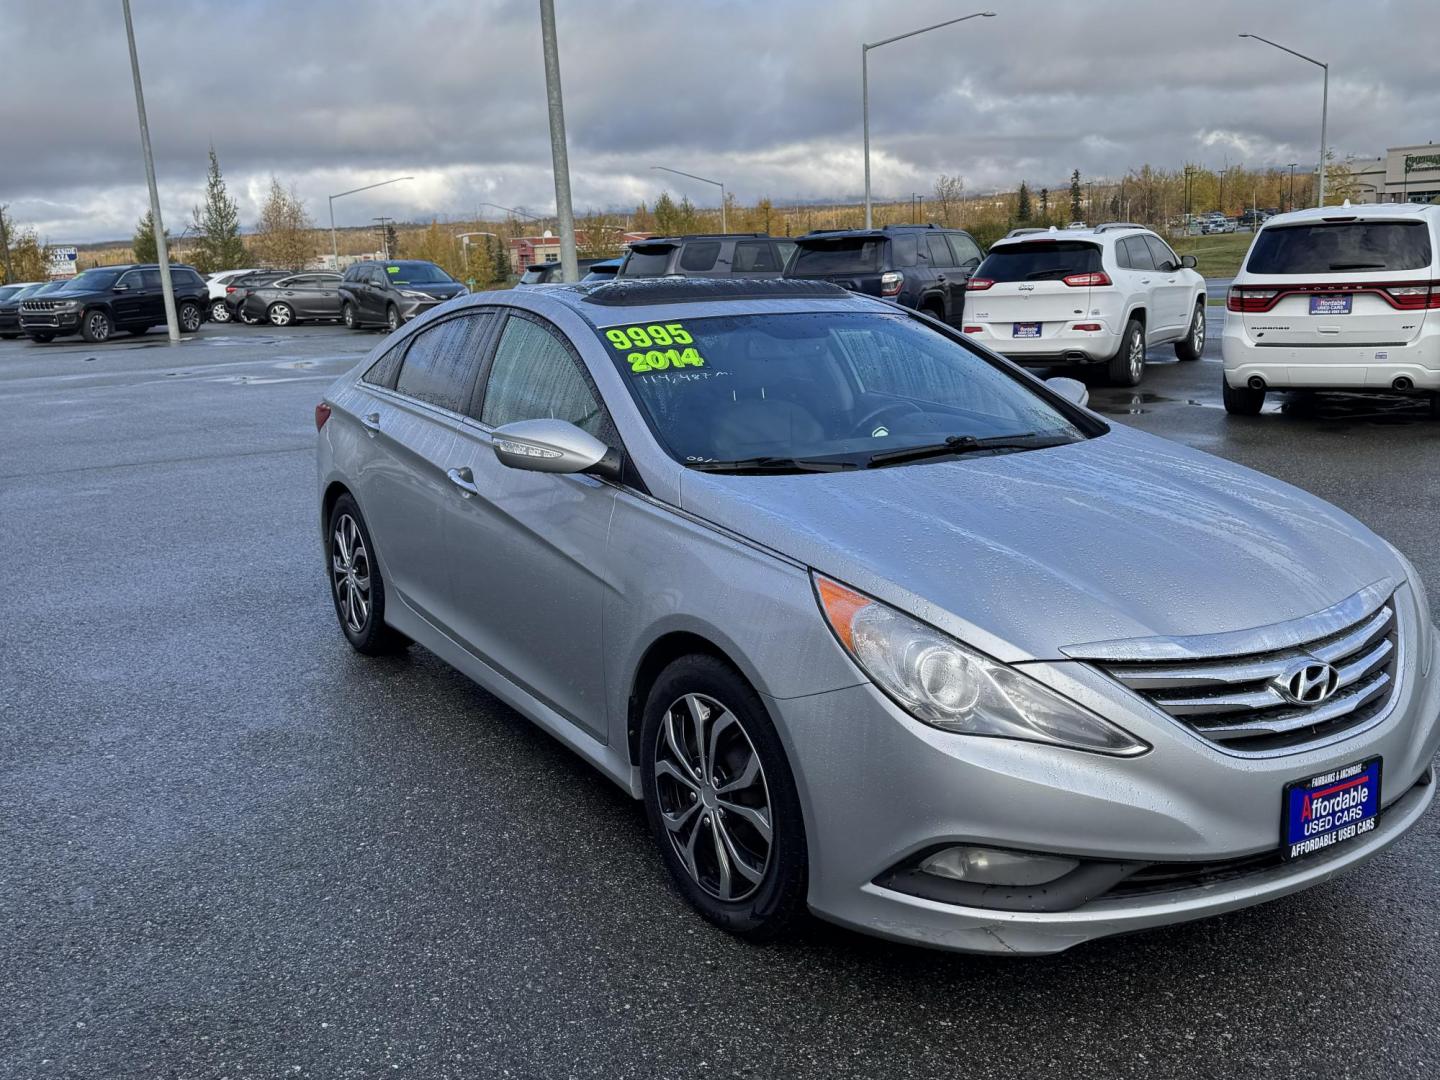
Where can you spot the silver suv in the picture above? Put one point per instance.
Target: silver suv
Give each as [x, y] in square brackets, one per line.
[839, 595]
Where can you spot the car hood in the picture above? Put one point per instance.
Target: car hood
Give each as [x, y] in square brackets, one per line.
[1119, 537]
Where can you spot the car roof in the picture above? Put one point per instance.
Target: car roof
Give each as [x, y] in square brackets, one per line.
[1097, 234]
[883, 231]
[638, 300]
[702, 236]
[1369, 211]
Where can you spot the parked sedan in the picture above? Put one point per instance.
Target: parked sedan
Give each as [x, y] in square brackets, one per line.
[10, 297]
[875, 623]
[300, 298]
[239, 288]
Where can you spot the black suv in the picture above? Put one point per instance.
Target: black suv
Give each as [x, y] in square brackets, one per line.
[708, 255]
[916, 266]
[390, 293]
[108, 298]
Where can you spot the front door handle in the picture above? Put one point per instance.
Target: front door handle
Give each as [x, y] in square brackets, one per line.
[463, 479]
[371, 422]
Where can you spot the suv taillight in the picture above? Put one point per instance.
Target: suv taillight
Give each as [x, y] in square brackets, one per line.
[229, 289]
[977, 284]
[891, 282]
[1081, 281]
[1414, 297]
[1242, 299]
[322, 413]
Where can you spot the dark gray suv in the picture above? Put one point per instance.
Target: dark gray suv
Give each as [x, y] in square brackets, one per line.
[393, 292]
[708, 255]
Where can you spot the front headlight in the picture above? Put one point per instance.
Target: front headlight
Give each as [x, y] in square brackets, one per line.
[947, 685]
[67, 305]
[411, 294]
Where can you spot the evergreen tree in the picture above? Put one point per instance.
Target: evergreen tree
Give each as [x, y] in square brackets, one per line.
[1023, 210]
[667, 215]
[500, 260]
[1044, 204]
[217, 225]
[1076, 214]
[143, 245]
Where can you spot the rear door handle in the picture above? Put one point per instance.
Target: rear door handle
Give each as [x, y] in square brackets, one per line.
[463, 479]
[371, 422]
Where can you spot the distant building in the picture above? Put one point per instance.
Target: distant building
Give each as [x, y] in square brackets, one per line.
[530, 250]
[1404, 174]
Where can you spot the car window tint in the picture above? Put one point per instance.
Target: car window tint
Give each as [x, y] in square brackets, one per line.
[384, 370]
[150, 279]
[440, 365]
[904, 250]
[967, 252]
[1341, 247]
[1138, 252]
[535, 377]
[787, 249]
[754, 256]
[843, 255]
[1161, 253]
[939, 251]
[700, 257]
[1039, 260]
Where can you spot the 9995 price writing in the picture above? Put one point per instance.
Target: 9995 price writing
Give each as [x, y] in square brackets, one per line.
[645, 337]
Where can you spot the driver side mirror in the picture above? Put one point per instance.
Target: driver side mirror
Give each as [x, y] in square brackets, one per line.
[552, 446]
[120, 288]
[1072, 390]
[1188, 262]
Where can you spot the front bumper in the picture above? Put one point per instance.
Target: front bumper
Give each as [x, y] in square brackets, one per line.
[878, 788]
[1347, 367]
[56, 322]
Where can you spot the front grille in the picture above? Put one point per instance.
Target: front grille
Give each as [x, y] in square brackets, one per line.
[1235, 701]
[39, 305]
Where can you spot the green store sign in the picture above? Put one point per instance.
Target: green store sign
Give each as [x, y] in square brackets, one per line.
[1421, 161]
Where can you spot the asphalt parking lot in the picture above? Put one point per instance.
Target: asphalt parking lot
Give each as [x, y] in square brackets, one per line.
[233, 848]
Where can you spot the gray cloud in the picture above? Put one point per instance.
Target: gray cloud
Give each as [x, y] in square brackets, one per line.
[330, 96]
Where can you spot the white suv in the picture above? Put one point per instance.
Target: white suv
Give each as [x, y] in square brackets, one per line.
[1339, 297]
[1087, 296]
[217, 282]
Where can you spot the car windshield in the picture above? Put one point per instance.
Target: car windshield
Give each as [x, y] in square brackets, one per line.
[7, 291]
[416, 273]
[98, 279]
[850, 255]
[1337, 247]
[838, 388]
[1035, 260]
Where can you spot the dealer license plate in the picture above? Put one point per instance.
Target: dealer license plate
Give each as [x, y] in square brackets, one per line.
[1330, 809]
[1025, 329]
[1330, 305]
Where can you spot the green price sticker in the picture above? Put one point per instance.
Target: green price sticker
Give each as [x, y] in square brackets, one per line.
[646, 337]
[392, 269]
[664, 360]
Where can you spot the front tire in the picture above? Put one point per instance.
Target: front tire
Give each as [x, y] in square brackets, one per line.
[349, 317]
[189, 317]
[1127, 366]
[1241, 400]
[721, 801]
[1192, 346]
[392, 318]
[219, 312]
[281, 314]
[96, 326]
[355, 583]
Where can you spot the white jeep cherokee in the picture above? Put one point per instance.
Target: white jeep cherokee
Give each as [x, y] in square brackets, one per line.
[1087, 296]
[1338, 297]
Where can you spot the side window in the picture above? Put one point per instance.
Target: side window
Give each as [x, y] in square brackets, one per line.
[351, 274]
[787, 249]
[440, 365]
[1139, 253]
[377, 277]
[754, 256]
[939, 251]
[700, 257]
[967, 252]
[134, 279]
[904, 251]
[534, 376]
[1161, 253]
[384, 370]
[150, 279]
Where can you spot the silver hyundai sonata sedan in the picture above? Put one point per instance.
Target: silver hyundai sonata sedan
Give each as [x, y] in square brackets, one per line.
[875, 623]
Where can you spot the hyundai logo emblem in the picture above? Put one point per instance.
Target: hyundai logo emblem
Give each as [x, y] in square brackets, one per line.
[1308, 682]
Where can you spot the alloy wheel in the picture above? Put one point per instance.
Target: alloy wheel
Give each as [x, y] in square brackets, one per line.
[392, 319]
[98, 323]
[189, 318]
[350, 573]
[280, 315]
[1197, 332]
[219, 312]
[1137, 356]
[713, 798]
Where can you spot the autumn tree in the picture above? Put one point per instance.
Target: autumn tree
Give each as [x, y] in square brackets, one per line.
[284, 237]
[143, 245]
[5, 262]
[435, 245]
[29, 257]
[217, 226]
[1340, 181]
[949, 193]
[598, 237]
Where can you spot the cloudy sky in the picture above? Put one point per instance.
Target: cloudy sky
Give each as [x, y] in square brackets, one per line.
[763, 95]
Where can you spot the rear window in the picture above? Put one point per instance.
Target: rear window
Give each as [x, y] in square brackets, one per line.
[1037, 260]
[653, 261]
[1340, 247]
[535, 277]
[851, 255]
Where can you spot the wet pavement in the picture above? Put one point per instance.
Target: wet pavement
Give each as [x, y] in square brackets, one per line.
[232, 848]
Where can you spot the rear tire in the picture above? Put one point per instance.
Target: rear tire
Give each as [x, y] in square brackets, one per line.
[714, 791]
[355, 583]
[1127, 366]
[218, 311]
[349, 317]
[96, 326]
[189, 316]
[1242, 401]
[1192, 346]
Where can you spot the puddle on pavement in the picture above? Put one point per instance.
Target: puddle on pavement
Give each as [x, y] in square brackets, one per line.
[1336, 410]
[1140, 404]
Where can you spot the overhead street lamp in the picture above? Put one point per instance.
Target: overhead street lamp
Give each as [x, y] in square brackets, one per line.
[1291, 167]
[865, 86]
[1324, 108]
[511, 210]
[334, 248]
[464, 238]
[703, 180]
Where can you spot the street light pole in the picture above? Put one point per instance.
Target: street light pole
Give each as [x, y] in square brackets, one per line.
[334, 247]
[865, 87]
[162, 249]
[1324, 109]
[724, 227]
[1292, 185]
[559, 155]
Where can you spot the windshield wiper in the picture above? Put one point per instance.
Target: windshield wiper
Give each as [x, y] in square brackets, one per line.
[1357, 266]
[768, 464]
[966, 444]
[1053, 272]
